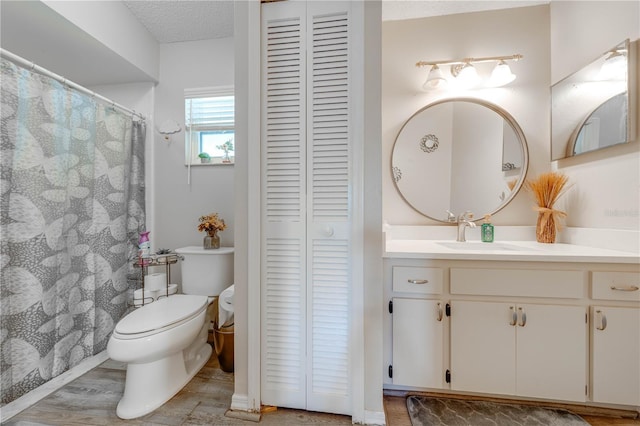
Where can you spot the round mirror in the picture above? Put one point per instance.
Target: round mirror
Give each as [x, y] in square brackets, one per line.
[459, 155]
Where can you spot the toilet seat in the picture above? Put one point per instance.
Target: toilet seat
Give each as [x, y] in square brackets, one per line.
[159, 316]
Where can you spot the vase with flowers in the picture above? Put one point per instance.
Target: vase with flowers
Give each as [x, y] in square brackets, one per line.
[546, 189]
[211, 224]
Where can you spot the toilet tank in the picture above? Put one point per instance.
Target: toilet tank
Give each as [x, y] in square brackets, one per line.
[206, 272]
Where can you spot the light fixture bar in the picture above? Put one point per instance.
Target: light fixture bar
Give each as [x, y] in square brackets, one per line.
[515, 57]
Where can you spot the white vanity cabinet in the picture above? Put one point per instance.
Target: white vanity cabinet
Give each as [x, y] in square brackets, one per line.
[551, 330]
[521, 349]
[555, 322]
[418, 327]
[516, 347]
[615, 336]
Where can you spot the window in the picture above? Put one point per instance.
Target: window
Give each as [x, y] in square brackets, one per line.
[209, 118]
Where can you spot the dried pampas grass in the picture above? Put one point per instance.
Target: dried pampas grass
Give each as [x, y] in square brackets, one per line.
[546, 189]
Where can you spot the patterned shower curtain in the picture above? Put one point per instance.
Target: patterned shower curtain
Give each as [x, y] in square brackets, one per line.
[72, 182]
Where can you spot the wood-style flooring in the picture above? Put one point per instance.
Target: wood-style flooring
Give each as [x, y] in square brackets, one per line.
[92, 398]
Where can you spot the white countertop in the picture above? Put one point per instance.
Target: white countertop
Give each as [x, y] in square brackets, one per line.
[504, 250]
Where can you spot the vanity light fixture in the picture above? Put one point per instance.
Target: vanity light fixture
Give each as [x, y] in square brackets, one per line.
[466, 75]
[614, 66]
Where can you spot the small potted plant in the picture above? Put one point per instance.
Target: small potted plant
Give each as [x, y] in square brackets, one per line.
[226, 147]
[204, 157]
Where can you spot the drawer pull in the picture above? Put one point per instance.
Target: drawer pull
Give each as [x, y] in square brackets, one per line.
[627, 288]
[439, 316]
[602, 320]
[412, 281]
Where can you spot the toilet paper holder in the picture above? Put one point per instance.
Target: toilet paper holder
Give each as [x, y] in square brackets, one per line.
[164, 259]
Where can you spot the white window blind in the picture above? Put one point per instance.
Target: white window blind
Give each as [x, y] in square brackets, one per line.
[209, 125]
[209, 113]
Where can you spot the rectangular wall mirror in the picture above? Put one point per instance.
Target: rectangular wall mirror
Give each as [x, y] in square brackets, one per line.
[591, 109]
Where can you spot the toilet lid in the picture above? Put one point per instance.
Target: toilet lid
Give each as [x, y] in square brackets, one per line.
[163, 313]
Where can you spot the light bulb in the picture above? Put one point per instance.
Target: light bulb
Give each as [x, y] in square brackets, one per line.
[467, 76]
[435, 79]
[501, 75]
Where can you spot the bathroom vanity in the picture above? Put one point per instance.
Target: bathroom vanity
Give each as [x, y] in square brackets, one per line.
[519, 319]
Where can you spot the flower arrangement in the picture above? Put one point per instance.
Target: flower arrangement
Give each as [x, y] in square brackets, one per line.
[226, 147]
[546, 189]
[211, 224]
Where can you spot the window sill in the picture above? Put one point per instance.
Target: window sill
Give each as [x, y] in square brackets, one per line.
[210, 164]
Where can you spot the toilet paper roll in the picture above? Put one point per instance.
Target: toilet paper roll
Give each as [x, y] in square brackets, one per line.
[173, 289]
[225, 306]
[157, 281]
[149, 297]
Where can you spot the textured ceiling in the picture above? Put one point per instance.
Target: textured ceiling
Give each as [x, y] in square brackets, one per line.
[172, 21]
[184, 20]
[393, 10]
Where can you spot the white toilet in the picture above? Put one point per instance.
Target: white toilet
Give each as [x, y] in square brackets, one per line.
[164, 343]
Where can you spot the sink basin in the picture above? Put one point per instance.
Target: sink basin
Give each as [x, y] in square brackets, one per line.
[478, 246]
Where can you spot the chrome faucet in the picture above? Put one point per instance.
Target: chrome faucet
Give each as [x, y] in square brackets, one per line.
[464, 220]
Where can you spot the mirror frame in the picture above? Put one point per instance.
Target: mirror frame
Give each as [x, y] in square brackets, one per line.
[564, 148]
[505, 116]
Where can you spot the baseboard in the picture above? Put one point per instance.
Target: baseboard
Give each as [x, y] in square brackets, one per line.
[374, 418]
[240, 409]
[240, 402]
[46, 389]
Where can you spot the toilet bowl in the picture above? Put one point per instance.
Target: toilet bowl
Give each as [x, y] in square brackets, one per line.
[164, 343]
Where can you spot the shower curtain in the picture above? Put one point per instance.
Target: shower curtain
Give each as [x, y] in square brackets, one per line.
[71, 209]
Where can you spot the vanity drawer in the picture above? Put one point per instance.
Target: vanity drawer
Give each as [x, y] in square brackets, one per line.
[417, 280]
[518, 282]
[615, 286]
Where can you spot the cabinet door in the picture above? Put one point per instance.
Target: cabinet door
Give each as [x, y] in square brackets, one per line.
[417, 343]
[551, 352]
[616, 355]
[483, 339]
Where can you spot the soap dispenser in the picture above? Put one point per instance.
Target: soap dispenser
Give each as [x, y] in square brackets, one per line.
[486, 231]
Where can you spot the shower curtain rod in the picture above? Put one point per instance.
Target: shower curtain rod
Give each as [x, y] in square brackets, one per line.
[33, 67]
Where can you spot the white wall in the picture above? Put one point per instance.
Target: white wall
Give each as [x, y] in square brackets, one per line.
[178, 205]
[606, 183]
[113, 25]
[493, 33]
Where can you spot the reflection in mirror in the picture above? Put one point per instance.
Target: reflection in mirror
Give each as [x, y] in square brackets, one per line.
[590, 108]
[459, 155]
[606, 126]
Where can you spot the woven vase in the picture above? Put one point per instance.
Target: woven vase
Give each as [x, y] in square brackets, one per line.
[546, 228]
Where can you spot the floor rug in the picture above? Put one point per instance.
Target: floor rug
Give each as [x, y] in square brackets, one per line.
[430, 411]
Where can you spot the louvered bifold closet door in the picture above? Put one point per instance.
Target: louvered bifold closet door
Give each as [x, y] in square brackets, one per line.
[283, 287]
[328, 205]
[305, 206]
